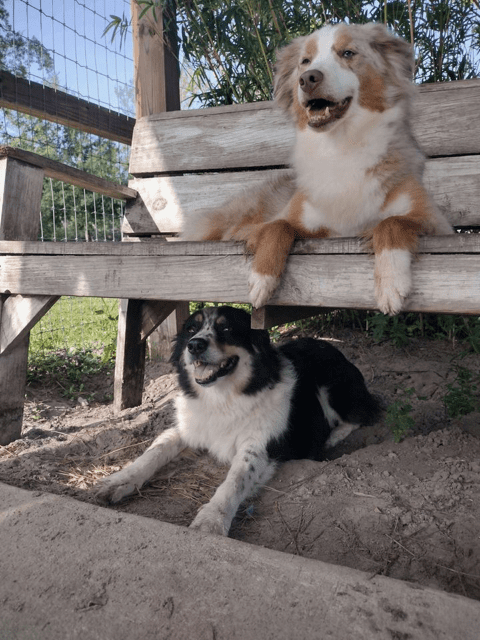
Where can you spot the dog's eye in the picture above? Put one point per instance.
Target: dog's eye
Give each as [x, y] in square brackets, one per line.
[348, 54]
[226, 329]
[306, 61]
[192, 330]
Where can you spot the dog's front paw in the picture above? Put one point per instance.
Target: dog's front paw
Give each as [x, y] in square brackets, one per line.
[114, 489]
[262, 287]
[210, 520]
[393, 280]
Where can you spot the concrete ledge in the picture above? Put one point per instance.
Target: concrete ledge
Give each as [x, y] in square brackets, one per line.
[70, 570]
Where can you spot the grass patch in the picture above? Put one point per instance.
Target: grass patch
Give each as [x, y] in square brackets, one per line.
[75, 324]
[74, 341]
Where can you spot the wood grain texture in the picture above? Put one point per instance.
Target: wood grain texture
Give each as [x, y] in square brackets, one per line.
[445, 283]
[166, 203]
[20, 190]
[130, 356]
[51, 104]
[59, 171]
[446, 122]
[19, 315]
[20, 195]
[458, 243]
[154, 312]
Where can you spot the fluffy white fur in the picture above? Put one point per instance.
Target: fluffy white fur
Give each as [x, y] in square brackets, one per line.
[250, 405]
[357, 170]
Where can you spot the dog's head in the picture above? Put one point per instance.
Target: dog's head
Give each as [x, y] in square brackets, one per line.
[322, 78]
[217, 343]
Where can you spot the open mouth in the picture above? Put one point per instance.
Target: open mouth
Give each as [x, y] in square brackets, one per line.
[322, 112]
[207, 373]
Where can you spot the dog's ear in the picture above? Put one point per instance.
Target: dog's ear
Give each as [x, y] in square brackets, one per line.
[397, 52]
[260, 339]
[283, 82]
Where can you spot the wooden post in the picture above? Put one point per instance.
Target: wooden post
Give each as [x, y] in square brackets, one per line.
[157, 89]
[155, 55]
[20, 196]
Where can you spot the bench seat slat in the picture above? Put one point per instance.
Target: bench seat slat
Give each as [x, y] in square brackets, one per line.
[446, 121]
[458, 244]
[454, 183]
[442, 283]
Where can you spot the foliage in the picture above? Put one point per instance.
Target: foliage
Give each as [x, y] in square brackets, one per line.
[462, 396]
[402, 328]
[227, 49]
[398, 416]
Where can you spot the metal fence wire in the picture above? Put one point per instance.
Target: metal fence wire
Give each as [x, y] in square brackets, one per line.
[60, 44]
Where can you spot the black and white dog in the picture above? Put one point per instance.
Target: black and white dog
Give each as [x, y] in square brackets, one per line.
[252, 405]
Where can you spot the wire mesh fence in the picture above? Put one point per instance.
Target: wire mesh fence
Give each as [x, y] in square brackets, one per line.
[60, 45]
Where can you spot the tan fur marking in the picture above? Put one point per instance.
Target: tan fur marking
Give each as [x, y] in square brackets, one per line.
[271, 245]
[295, 215]
[402, 231]
[311, 48]
[372, 90]
[214, 235]
[343, 42]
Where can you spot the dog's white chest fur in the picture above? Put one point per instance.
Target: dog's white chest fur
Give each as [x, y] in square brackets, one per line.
[334, 171]
[225, 422]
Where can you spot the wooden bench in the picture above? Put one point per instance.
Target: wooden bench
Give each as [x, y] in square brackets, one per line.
[184, 162]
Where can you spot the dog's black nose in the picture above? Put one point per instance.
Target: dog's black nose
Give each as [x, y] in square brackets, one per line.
[197, 346]
[310, 80]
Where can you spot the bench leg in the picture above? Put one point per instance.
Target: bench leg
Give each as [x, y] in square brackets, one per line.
[20, 197]
[13, 380]
[136, 321]
[270, 316]
[160, 343]
[130, 358]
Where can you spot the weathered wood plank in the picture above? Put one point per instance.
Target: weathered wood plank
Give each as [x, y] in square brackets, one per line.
[48, 103]
[160, 342]
[457, 243]
[20, 191]
[19, 315]
[154, 312]
[130, 356]
[446, 122]
[268, 316]
[59, 171]
[156, 90]
[447, 283]
[446, 119]
[454, 184]
[165, 203]
[156, 68]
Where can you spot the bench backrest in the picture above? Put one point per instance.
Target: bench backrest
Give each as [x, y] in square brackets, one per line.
[186, 161]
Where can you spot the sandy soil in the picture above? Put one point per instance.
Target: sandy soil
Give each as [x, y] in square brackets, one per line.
[409, 510]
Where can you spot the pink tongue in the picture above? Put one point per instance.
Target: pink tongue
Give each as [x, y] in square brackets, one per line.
[204, 371]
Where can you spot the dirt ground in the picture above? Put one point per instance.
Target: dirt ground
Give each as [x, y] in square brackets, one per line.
[409, 510]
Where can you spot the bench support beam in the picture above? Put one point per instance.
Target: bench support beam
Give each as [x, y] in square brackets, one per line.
[20, 196]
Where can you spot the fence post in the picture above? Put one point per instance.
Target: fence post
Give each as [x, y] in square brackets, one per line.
[20, 197]
[157, 89]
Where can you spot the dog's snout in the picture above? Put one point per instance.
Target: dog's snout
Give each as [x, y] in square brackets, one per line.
[310, 80]
[196, 346]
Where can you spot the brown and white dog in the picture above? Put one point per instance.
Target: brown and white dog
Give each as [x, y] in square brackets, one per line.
[357, 170]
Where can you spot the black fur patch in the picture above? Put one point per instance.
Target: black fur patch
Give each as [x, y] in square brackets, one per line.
[317, 365]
